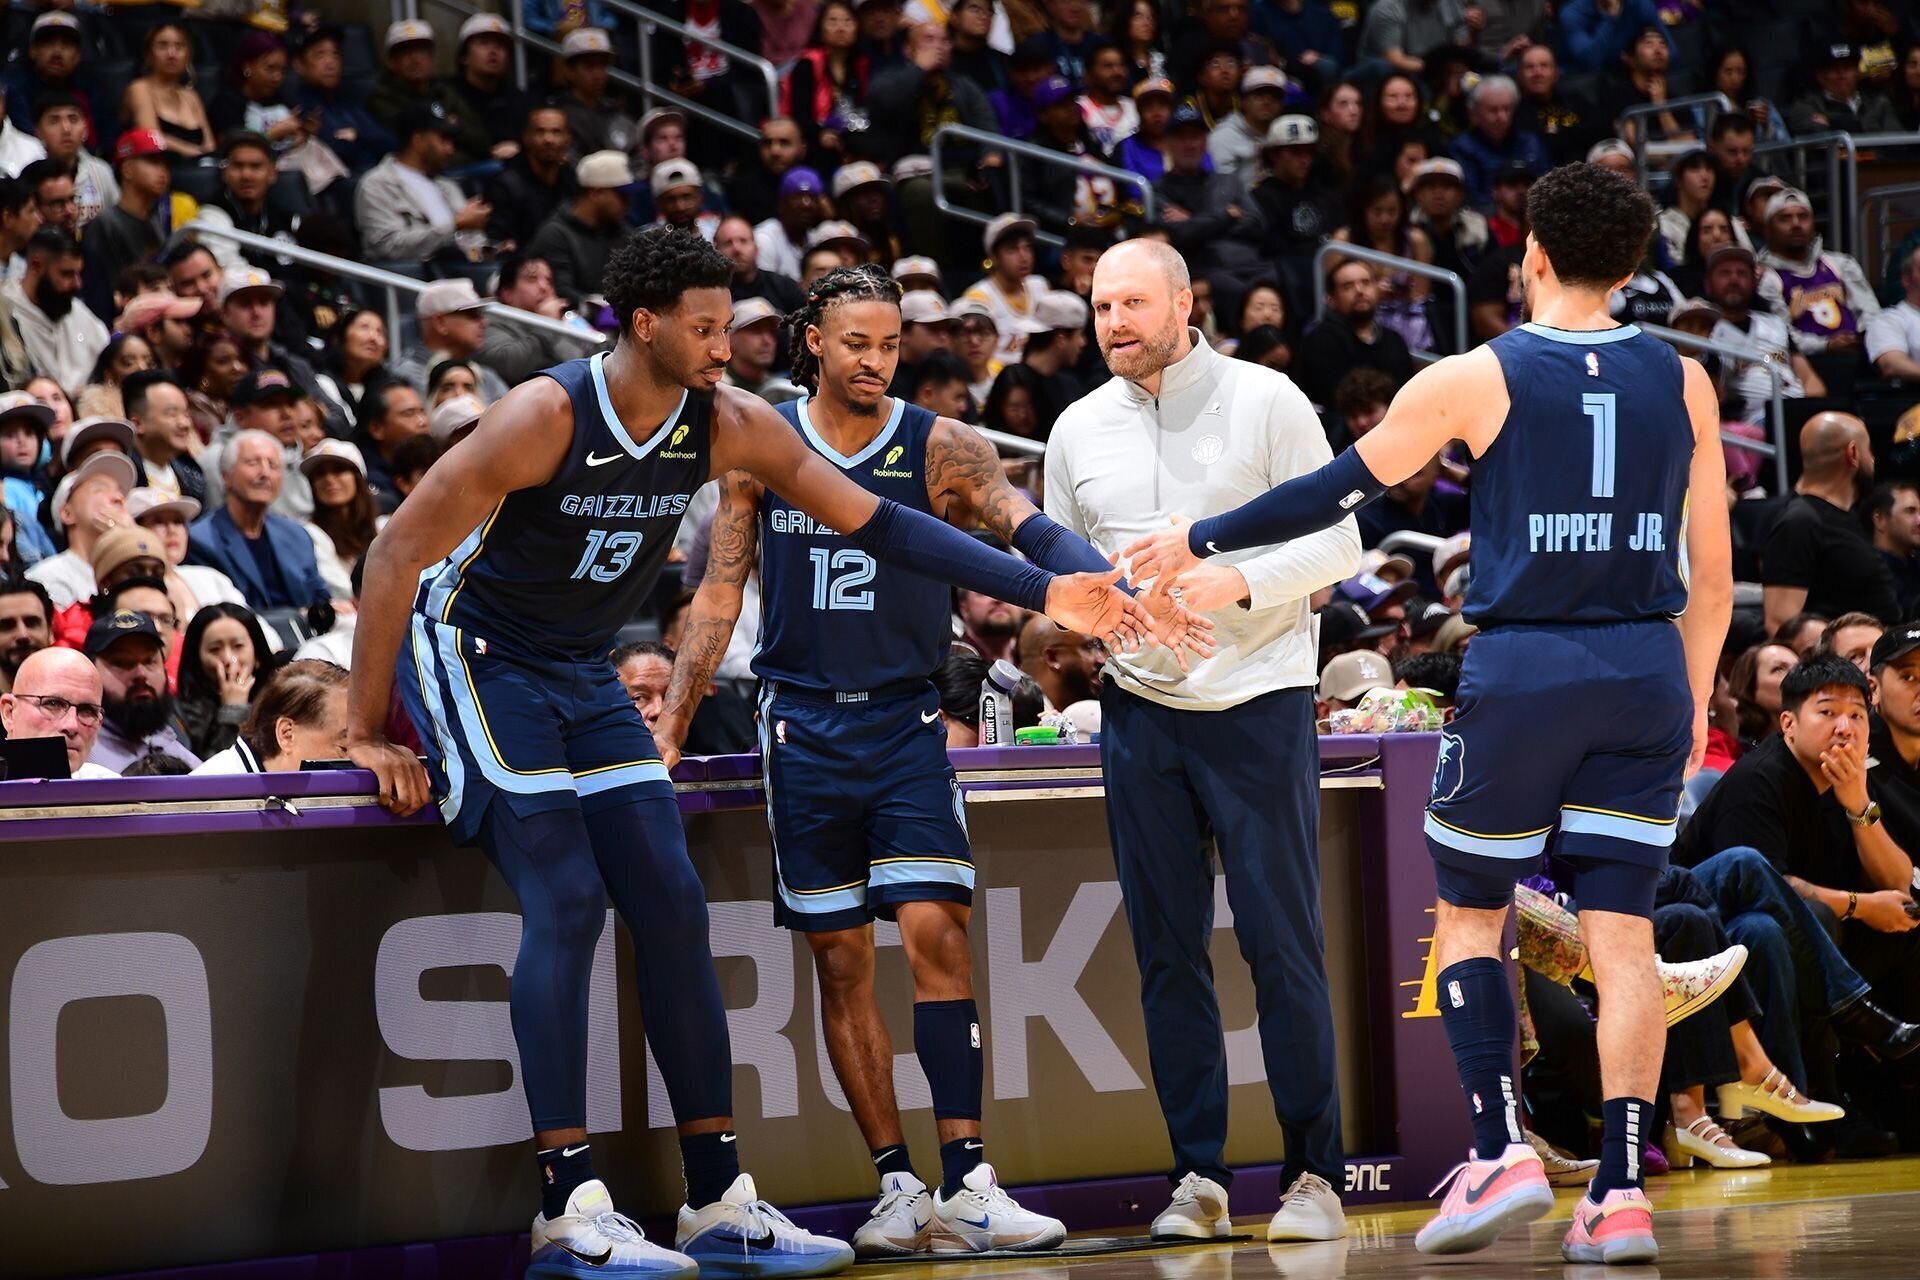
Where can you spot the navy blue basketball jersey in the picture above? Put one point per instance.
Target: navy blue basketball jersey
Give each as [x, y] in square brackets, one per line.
[831, 616]
[1579, 506]
[556, 571]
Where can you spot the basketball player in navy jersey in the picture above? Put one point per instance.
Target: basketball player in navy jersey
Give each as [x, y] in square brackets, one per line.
[506, 575]
[863, 805]
[1602, 585]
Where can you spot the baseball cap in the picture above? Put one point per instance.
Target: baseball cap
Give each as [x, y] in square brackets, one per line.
[1442, 168]
[1152, 85]
[1061, 309]
[1052, 90]
[1392, 566]
[909, 167]
[858, 174]
[1450, 553]
[117, 626]
[138, 142]
[801, 180]
[18, 404]
[1608, 147]
[143, 503]
[1894, 645]
[673, 173]
[1834, 54]
[1791, 198]
[752, 311]
[454, 414]
[444, 297]
[1371, 592]
[1692, 307]
[53, 25]
[123, 543]
[915, 264]
[425, 117]
[924, 306]
[834, 229]
[148, 309]
[1349, 676]
[1263, 78]
[117, 465]
[1292, 131]
[408, 31]
[1427, 617]
[340, 451]
[88, 430]
[263, 384]
[582, 42]
[1513, 171]
[968, 308]
[485, 24]
[1005, 225]
[657, 117]
[1722, 252]
[1344, 622]
[605, 169]
[1186, 116]
[244, 279]
[1453, 633]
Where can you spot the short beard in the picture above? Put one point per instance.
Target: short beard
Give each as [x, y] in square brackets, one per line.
[50, 300]
[1155, 353]
[141, 719]
[992, 628]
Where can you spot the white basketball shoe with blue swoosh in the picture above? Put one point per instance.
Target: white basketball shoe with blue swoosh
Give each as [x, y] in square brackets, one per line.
[741, 1235]
[980, 1217]
[590, 1239]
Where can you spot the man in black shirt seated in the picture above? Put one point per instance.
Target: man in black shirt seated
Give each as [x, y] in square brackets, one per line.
[1789, 841]
[1818, 559]
[1349, 335]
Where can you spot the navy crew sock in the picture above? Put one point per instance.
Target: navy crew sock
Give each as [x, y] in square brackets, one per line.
[1626, 1121]
[561, 1170]
[711, 1162]
[1476, 1007]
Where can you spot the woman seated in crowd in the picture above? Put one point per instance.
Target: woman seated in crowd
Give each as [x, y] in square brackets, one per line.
[1754, 682]
[210, 373]
[826, 91]
[1693, 179]
[125, 355]
[49, 393]
[299, 715]
[1017, 404]
[255, 97]
[222, 663]
[355, 359]
[1708, 231]
[345, 514]
[164, 101]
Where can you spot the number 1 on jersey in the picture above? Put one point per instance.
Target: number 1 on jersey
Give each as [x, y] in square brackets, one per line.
[1599, 406]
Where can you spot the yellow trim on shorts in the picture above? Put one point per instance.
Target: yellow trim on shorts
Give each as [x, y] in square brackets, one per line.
[1615, 813]
[1478, 835]
[461, 573]
[609, 768]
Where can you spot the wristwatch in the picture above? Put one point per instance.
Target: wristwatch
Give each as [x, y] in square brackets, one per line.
[1866, 817]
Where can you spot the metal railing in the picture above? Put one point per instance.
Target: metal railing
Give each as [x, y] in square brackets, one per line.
[1375, 257]
[1843, 181]
[524, 39]
[1005, 443]
[1042, 155]
[393, 283]
[1875, 264]
[1648, 109]
[1776, 395]
[648, 19]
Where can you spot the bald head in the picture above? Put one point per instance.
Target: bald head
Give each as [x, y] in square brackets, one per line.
[1147, 256]
[1039, 632]
[63, 674]
[48, 667]
[1142, 300]
[1832, 444]
[1067, 665]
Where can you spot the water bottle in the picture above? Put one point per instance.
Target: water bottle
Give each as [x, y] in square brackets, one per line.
[996, 704]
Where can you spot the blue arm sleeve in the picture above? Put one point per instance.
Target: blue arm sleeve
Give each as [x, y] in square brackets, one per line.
[1058, 549]
[1305, 504]
[918, 542]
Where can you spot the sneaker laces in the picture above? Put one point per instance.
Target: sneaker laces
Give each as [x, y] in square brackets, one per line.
[768, 1218]
[890, 1201]
[1443, 1184]
[619, 1228]
[1188, 1192]
[1307, 1184]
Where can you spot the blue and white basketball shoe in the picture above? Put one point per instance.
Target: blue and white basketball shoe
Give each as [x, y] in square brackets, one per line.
[741, 1235]
[590, 1239]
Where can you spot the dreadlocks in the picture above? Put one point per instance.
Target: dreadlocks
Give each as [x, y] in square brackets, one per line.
[869, 283]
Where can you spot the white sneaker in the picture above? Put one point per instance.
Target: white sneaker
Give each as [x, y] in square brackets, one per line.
[901, 1221]
[742, 1235]
[1308, 1211]
[590, 1239]
[1690, 986]
[983, 1217]
[1198, 1212]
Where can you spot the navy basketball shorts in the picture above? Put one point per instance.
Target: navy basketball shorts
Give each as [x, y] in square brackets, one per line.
[863, 806]
[532, 732]
[1574, 736]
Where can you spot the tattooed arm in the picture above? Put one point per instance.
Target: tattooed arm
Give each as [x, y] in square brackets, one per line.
[966, 483]
[716, 607]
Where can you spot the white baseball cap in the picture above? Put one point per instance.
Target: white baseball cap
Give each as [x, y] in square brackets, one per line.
[450, 416]
[408, 31]
[582, 41]
[1791, 198]
[752, 311]
[88, 430]
[1349, 676]
[485, 24]
[1263, 78]
[916, 265]
[444, 297]
[144, 503]
[326, 451]
[1441, 168]
[1448, 555]
[924, 306]
[1005, 225]
[673, 173]
[117, 465]
[604, 169]
[245, 279]
[1061, 309]
[858, 174]
[1292, 131]
[834, 229]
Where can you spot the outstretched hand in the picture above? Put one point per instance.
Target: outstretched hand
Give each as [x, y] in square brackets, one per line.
[1161, 556]
[1091, 603]
[1178, 627]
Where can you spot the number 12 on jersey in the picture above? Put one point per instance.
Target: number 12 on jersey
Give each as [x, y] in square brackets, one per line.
[838, 574]
[1599, 406]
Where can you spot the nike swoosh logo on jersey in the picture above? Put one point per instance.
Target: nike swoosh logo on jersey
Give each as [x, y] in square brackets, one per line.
[595, 460]
[591, 1260]
[928, 717]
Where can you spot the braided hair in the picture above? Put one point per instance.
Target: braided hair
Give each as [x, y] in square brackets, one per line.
[869, 283]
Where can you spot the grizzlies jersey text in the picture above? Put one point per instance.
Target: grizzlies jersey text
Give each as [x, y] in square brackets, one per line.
[556, 571]
[1579, 505]
[832, 617]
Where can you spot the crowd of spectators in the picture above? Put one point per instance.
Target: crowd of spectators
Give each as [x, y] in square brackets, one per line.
[200, 435]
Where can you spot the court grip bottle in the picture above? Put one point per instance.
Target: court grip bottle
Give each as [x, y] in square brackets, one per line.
[996, 704]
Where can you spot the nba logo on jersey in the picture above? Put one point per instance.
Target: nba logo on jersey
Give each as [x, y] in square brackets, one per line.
[1453, 994]
[780, 731]
[1593, 365]
[480, 646]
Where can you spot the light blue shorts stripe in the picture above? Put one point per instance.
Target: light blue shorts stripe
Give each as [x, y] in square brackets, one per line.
[625, 776]
[427, 671]
[916, 872]
[1583, 822]
[473, 733]
[1515, 848]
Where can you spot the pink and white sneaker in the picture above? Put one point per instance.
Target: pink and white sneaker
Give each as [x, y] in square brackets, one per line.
[1484, 1198]
[1617, 1231]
